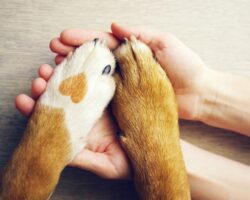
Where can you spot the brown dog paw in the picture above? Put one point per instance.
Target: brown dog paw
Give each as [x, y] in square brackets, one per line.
[144, 93]
[145, 108]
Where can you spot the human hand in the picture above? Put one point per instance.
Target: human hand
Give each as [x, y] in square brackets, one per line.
[103, 154]
[183, 67]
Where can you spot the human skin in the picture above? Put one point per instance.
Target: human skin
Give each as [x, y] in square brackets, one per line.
[213, 176]
[199, 99]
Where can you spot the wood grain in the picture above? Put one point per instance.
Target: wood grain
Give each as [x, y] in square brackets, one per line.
[217, 30]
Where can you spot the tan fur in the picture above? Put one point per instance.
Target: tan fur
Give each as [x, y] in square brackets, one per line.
[146, 111]
[75, 87]
[35, 167]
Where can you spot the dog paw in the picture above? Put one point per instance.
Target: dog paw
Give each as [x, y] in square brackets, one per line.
[143, 93]
[136, 62]
[82, 86]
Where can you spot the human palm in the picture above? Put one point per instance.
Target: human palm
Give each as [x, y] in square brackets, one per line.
[186, 71]
[184, 68]
[103, 154]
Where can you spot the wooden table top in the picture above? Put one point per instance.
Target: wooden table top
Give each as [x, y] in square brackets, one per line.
[217, 30]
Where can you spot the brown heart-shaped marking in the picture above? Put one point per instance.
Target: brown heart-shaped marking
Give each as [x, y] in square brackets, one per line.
[75, 87]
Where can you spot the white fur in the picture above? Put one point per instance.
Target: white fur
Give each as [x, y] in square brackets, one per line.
[90, 58]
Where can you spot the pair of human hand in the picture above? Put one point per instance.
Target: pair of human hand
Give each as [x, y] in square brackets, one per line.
[103, 153]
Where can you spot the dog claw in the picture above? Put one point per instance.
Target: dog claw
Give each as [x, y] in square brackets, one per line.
[96, 40]
[124, 41]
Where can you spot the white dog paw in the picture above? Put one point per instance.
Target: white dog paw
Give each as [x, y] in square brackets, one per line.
[82, 85]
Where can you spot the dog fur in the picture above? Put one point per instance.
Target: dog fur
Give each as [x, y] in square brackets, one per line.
[76, 95]
[75, 98]
[145, 107]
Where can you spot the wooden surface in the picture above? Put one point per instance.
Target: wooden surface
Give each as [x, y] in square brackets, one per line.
[217, 30]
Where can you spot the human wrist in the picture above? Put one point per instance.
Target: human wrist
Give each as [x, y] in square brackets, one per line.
[209, 93]
[224, 101]
[224, 178]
